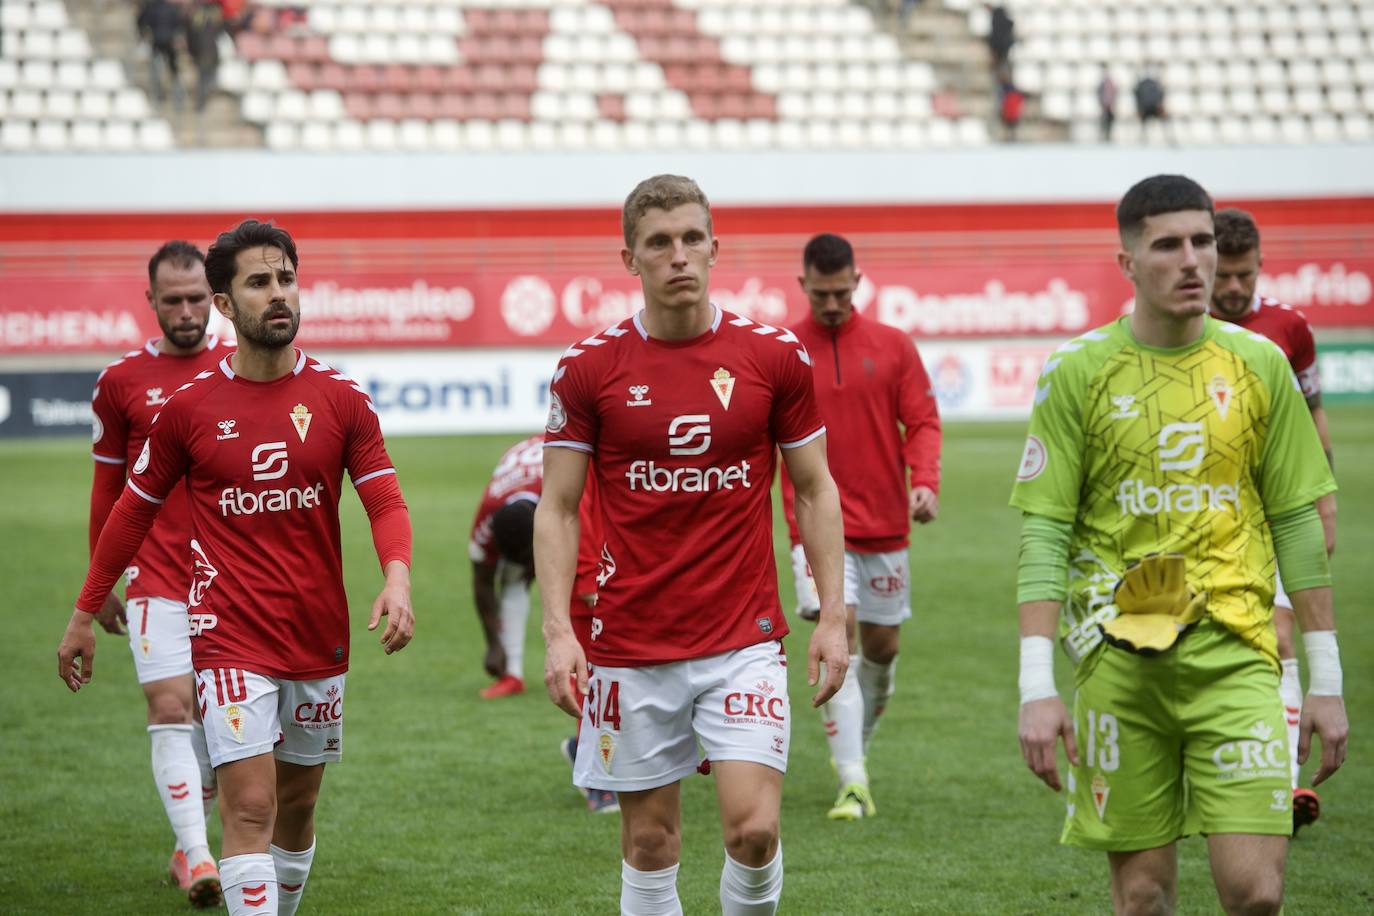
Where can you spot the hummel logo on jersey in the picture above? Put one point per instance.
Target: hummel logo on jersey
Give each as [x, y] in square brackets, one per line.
[226, 430]
[1171, 452]
[680, 440]
[155, 398]
[723, 384]
[639, 391]
[269, 460]
[1125, 408]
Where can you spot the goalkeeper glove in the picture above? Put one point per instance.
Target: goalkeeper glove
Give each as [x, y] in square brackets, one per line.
[1154, 606]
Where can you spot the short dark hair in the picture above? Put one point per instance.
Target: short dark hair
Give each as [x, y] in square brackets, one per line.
[1155, 195]
[1236, 232]
[220, 260]
[828, 253]
[178, 253]
[512, 527]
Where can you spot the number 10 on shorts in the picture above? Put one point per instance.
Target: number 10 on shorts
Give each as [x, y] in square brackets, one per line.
[603, 704]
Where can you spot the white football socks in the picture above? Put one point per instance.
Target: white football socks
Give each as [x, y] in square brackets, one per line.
[877, 683]
[293, 868]
[178, 785]
[250, 884]
[746, 891]
[843, 717]
[649, 893]
[209, 785]
[1290, 691]
[515, 611]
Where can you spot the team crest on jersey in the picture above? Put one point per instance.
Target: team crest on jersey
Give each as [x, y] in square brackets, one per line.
[300, 418]
[1219, 390]
[606, 751]
[1033, 459]
[97, 428]
[765, 624]
[1100, 791]
[233, 717]
[723, 384]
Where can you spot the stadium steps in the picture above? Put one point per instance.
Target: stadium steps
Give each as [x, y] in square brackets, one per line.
[961, 60]
[113, 34]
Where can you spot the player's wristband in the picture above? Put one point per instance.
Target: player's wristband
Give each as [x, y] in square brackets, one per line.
[1323, 663]
[1037, 669]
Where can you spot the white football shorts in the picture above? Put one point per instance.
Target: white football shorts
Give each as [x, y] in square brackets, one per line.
[878, 585]
[1281, 598]
[640, 726]
[159, 638]
[248, 714]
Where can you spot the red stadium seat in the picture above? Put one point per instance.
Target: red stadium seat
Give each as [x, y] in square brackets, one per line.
[388, 105]
[454, 106]
[421, 105]
[358, 105]
[314, 48]
[333, 76]
[303, 76]
[611, 106]
[429, 79]
[459, 79]
[365, 79]
[397, 78]
[251, 46]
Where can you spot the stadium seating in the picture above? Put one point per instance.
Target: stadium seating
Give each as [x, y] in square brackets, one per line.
[56, 95]
[1265, 71]
[573, 74]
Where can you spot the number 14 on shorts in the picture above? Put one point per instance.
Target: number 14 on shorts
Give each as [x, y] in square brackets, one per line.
[603, 704]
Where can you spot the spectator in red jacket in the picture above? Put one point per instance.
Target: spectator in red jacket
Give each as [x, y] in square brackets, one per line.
[883, 430]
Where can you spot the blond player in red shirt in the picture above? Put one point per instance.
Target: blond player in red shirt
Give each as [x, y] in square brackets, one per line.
[884, 430]
[683, 408]
[1234, 299]
[128, 394]
[260, 443]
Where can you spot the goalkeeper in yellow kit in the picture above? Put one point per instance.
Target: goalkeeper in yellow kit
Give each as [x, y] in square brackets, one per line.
[1171, 458]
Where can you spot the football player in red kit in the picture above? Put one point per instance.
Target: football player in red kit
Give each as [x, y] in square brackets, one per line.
[682, 408]
[1234, 299]
[260, 443]
[128, 394]
[884, 430]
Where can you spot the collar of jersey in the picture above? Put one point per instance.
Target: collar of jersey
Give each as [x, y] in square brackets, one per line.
[1208, 331]
[847, 328]
[644, 332]
[295, 370]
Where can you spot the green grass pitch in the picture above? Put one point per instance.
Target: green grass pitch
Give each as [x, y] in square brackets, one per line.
[448, 804]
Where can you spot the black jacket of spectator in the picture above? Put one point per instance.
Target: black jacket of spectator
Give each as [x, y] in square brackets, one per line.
[161, 21]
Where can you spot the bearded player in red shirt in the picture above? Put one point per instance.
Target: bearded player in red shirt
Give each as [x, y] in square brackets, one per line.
[683, 407]
[881, 417]
[261, 441]
[1234, 299]
[128, 394]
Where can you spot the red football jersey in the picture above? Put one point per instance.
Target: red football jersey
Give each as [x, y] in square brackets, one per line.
[683, 435]
[1287, 327]
[263, 464]
[128, 395]
[520, 475]
[869, 378]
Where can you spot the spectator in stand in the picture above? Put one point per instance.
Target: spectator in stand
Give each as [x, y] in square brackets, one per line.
[1106, 102]
[204, 26]
[1001, 35]
[161, 23]
[1011, 104]
[1149, 101]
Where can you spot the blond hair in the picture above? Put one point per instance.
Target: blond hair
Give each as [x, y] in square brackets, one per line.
[662, 192]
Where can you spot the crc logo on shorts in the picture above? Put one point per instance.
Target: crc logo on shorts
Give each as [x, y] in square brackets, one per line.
[689, 434]
[762, 705]
[1033, 459]
[1181, 447]
[269, 461]
[887, 586]
[1263, 756]
[324, 714]
[558, 418]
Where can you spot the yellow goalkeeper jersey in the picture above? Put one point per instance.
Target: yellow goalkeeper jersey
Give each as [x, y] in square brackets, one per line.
[1186, 450]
